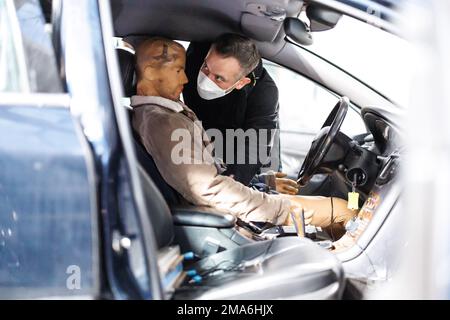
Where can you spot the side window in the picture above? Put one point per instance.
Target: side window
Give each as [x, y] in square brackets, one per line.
[304, 107]
[13, 76]
[27, 61]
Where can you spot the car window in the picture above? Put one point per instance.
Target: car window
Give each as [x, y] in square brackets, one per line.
[305, 105]
[378, 58]
[26, 49]
[13, 77]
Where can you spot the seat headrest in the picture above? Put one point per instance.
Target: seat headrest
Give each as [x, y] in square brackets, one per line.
[127, 64]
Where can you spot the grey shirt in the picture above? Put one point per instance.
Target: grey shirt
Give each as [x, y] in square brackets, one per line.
[183, 154]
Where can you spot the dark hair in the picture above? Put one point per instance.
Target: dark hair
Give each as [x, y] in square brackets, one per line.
[239, 47]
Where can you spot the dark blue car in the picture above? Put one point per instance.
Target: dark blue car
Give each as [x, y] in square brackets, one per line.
[84, 212]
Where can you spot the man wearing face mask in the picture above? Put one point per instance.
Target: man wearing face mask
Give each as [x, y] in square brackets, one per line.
[158, 114]
[229, 89]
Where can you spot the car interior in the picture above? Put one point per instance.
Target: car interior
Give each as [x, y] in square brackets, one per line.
[240, 260]
[128, 219]
[237, 263]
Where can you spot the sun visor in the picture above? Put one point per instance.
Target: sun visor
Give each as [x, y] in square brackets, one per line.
[321, 18]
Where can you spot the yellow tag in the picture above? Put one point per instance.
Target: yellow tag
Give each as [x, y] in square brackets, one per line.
[353, 201]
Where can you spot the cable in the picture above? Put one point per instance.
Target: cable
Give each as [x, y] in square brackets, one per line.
[235, 267]
[332, 219]
[216, 268]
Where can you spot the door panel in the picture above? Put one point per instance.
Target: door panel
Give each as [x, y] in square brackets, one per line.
[47, 230]
[48, 214]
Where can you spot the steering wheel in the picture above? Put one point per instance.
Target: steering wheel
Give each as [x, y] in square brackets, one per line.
[323, 142]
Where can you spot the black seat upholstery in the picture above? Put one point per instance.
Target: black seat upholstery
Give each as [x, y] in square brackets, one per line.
[283, 268]
[127, 69]
[171, 196]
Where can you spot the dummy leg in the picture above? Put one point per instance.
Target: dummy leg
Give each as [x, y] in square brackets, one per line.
[324, 211]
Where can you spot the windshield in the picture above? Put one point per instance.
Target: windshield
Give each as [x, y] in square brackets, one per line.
[378, 58]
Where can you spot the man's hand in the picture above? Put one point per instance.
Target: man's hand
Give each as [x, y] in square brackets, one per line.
[285, 185]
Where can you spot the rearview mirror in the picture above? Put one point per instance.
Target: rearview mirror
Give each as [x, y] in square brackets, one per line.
[297, 31]
[322, 18]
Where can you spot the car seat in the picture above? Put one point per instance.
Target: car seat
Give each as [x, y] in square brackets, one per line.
[281, 268]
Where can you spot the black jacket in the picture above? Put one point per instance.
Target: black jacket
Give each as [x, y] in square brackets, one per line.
[254, 106]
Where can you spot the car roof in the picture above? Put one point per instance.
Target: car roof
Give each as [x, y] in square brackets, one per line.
[201, 20]
[204, 20]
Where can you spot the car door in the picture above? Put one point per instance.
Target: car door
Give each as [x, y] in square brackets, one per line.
[48, 217]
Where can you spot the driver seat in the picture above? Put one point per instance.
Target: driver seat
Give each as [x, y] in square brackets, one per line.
[127, 70]
[282, 268]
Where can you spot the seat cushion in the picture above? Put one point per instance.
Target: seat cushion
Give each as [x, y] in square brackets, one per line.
[283, 268]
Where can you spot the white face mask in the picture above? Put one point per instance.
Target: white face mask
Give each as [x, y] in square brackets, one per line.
[208, 89]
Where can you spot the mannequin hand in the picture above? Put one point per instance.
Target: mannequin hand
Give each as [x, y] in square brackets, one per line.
[285, 185]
